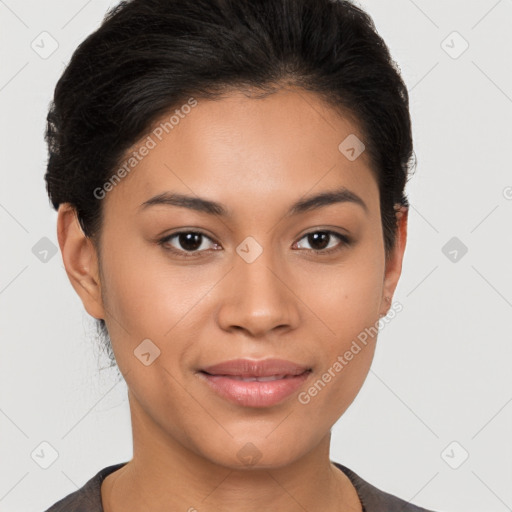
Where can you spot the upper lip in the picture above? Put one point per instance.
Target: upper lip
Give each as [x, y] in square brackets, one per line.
[255, 368]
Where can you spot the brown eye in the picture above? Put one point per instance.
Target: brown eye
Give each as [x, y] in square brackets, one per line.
[320, 241]
[194, 243]
[189, 241]
[185, 242]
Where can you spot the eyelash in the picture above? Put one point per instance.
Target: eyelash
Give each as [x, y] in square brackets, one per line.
[322, 252]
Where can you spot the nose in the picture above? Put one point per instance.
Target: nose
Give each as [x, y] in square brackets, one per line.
[258, 297]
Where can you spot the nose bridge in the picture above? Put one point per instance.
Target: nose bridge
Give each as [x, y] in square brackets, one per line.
[259, 300]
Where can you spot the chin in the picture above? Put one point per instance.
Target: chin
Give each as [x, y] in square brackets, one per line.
[253, 453]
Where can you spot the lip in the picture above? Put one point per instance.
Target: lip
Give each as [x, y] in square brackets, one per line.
[256, 368]
[224, 379]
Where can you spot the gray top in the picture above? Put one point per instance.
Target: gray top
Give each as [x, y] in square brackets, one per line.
[88, 497]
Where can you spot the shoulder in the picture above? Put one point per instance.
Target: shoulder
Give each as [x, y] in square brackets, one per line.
[376, 500]
[88, 497]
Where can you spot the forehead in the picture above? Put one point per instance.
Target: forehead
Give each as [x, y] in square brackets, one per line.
[246, 150]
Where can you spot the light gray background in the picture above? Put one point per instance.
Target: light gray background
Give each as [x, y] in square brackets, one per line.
[441, 371]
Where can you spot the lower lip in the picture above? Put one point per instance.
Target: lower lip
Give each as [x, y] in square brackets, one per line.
[254, 394]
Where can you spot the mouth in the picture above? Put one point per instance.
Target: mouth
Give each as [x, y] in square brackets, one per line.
[257, 369]
[252, 383]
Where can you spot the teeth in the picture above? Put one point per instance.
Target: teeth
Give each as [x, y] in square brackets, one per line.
[259, 379]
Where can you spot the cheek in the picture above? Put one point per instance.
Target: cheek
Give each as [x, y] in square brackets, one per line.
[347, 352]
[148, 297]
[348, 305]
[144, 293]
[345, 298]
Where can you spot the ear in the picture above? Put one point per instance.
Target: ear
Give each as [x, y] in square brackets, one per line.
[394, 261]
[80, 260]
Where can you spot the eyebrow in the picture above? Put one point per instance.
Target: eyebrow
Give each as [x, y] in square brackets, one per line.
[340, 195]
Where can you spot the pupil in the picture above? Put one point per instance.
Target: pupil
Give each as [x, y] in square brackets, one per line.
[315, 237]
[190, 241]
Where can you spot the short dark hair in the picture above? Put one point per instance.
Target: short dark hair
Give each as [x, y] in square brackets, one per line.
[150, 56]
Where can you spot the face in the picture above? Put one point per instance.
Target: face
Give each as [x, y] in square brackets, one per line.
[182, 289]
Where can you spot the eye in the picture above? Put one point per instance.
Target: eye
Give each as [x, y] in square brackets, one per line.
[190, 242]
[319, 239]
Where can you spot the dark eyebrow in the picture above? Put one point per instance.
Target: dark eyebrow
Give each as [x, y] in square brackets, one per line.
[341, 195]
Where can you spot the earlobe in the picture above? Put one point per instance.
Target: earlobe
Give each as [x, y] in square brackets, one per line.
[394, 262]
[80, 260]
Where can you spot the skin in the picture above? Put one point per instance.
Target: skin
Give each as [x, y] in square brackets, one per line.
[256, 157]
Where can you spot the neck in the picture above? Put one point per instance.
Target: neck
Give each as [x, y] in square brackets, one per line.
[165, 475]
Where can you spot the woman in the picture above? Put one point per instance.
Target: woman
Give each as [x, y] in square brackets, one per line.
[229, 177]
